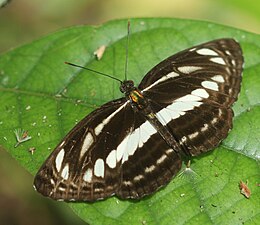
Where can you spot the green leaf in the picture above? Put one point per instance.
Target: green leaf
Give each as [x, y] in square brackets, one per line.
[42, 95]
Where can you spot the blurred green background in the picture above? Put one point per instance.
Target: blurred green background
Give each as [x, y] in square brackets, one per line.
[26, 20]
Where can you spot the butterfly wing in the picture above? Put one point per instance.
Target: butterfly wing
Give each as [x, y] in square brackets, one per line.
[104, 155]
[192, 92]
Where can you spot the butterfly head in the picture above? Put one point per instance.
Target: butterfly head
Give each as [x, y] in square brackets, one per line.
[127, 86]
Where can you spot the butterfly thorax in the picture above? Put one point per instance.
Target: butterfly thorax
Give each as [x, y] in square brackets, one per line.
[135, 96]
[137, 100]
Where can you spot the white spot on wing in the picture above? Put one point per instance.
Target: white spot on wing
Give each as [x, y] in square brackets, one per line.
[210, 85]
[218, 60]
[149, 169]
[170, 150]
[218, 78]
[188, 69]
[100, 126]
[183, 139]
[121, 149]
[193, 135]
[86, 144]
[127, 183]
[61, 188]
[139, 177]
[148, 128]
[161, 159]
[163, 116]
[204, 128]
[59, 159]
[164, 78]
[227, 52]
[166, 115]
[99, 168]
[88, 175]
[219, 112]
[200, 92]
[111, 159]
[184, 106]
[214, 120]
[145, 134]
[134, 140]
[172, 75]
[206, 51]
[178, 108]
[65, 172]
[189, 98]
[61, 144]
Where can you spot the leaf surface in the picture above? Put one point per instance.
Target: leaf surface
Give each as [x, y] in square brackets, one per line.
[40, 94]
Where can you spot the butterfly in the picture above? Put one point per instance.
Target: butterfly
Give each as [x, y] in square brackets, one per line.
[132, 146]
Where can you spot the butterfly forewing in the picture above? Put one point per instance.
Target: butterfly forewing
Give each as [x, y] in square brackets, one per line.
[132, 146]
[76, 161]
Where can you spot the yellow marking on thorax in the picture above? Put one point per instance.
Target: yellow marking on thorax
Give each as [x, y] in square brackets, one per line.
[135, 96]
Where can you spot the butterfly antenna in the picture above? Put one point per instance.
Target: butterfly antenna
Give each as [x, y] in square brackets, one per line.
[94, 71]
[127, 45]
